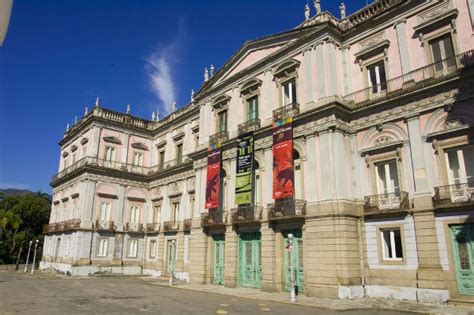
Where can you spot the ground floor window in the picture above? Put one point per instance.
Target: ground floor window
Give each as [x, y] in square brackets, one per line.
[152, 249]
[102, 249]
[132, 248]
[391, 244]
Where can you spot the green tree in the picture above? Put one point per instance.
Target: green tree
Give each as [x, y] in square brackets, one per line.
[21, 219]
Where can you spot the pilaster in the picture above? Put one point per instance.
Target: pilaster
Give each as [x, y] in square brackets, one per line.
[400, 28]
[310, 169]
[308, 76]
[87, 201]
[269, 271]
[321, 71]
[231, 265]
[198, 253]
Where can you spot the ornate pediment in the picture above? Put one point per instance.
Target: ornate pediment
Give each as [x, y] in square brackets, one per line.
[112, 140]
[286, 68]
[250, 87]
[174, 189]
[139, 146]
[221, 102]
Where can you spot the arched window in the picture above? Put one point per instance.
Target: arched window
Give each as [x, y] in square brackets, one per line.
[298, 175]
[223, 191]
[257, 193]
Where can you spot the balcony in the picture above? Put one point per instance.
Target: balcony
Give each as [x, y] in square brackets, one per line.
[454, 195]
[134, 227]
[250, 125]
[219, 137]
[287, 209]
[169, 164]
[171, 226]
[414, 80]
[102, 225]
[247, 214]
[187, 224]
[386, 203]
[289, 110]
[152, 227]
[214, 217]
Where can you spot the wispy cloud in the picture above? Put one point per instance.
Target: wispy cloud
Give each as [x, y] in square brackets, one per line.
[159, 67]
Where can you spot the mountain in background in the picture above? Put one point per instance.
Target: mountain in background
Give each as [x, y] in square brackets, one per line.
[13, 191]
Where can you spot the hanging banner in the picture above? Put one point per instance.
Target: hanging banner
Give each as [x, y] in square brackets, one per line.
[243, 179]
[283, 171]
[212, 178]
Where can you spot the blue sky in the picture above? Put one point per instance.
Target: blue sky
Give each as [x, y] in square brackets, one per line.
[58, 56]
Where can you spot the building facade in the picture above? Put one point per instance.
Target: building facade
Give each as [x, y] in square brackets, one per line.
[381, 105]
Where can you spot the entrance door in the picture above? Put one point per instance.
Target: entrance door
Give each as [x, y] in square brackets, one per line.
[170, 258]
[297, 260]
[219, 259]
[250, 263]
[462, 237]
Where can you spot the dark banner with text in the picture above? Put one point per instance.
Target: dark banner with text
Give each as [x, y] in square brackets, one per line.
[243, 179]
[283, 172]
[212, 178]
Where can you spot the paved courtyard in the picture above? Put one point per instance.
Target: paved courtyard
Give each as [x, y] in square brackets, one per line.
[46, 293]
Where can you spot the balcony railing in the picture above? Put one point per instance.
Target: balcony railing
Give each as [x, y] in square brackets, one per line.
[250, 125]
[171, 226]
[425, 76]
[454, 194]
[102, 225]
[169, 164]
[72, 224]
[286, 209]
[246, 214]
[152, 227]
[289, 110]
[388, 202]
[134, 227]
[187, 224]
[213, 218]
[219, 137]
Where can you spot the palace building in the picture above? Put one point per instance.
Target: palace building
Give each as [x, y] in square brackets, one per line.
[367, 121]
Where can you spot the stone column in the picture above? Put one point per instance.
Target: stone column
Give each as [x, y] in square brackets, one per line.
[308, 73]
[327, 164]
[119, 216]
[309, 171]
[87, 203]
[400, 27]
[332, 69]
[268, 177]
[231, 248]
[198, 253]
[266, 111]
[320, 71]
[346, 70]
[471, 10]
[269, 271]
[180, 252]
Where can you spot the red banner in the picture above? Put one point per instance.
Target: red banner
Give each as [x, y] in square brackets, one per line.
[212, 179]
[283, 172]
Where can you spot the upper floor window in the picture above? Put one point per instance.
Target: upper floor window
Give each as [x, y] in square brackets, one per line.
[175, 211]
[161, 160]
[138, 159]
[179, 154]
[252, 108]
[460, 164]
[110, 154]
[442, 52]
[377, 78]
[386, 175]
[222, 121]
[157, 214]
[134, 214]
[391, 244]
[105, 211]
[289, 92]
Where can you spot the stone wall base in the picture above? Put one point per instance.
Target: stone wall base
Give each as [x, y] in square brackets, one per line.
[406, 293]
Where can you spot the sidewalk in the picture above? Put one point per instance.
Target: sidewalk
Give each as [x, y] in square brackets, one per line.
[324, 303]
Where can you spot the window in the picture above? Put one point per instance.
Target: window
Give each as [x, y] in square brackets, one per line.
[391, 244]
[132, 248]
[152, 249]
[161, 160]
[377, 78]
[289, 92]
[192, 199]
[175, 212]
[157, 214]
[110, 154]
[442, 52]
[105, 211]
[138, 159]
[102, 251]
[387, 177]
[460, 165]
[222, 121]
[179, 154]
[252, 108]
[134, 214]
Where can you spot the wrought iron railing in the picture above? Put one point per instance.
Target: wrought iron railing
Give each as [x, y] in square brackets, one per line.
[219, 137]
[213, 217]
[415, 79]
[104, 225]
[285, 111]
[171, 226]
[250, 125]
[247, 213]
[134, 227]
[286, 208]
[152, 227]
[187, 224]
[454, 194]
[62, 226]
[386, 202]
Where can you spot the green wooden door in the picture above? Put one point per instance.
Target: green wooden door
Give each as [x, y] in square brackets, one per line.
[462, 238]
[250, 263]
[219, 259]
[297, 260]
[170, 257]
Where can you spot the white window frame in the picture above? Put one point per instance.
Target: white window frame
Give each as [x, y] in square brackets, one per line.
[175, 211]
[134, 214]
[109, 154]
[138, 159]
[392, 244]
[462, 177]
[105, 211]
[392, 184]
[292, 91]
[132, 248]
[157, 213]
[102, 249]
[152, 253]
[376, 67]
